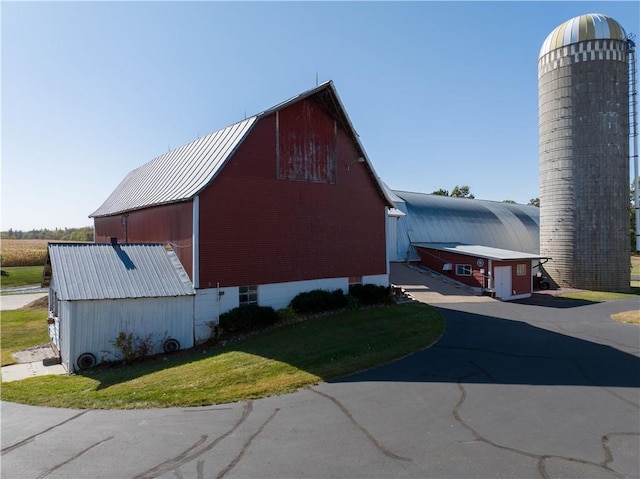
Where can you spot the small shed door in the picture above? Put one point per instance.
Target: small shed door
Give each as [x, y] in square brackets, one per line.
[502, 280]
[54, 333]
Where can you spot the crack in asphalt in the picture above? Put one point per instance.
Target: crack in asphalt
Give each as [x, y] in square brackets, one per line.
[541, 458]
[604, 388]
[35, 436]
[362, 429]
[186, 456]
[245, 446]
[72, 458]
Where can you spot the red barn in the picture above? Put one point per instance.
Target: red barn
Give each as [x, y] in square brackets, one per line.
[282, 202]
[508, 274]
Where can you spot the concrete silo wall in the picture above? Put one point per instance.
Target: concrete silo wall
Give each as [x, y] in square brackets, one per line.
[584, 164]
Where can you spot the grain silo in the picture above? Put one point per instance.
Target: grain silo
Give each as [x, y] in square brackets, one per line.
[583, 80]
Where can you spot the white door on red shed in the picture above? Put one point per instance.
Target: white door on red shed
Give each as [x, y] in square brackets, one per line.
[502, 281]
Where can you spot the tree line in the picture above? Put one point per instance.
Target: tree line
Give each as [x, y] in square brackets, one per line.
[58, 234]
[464, 191]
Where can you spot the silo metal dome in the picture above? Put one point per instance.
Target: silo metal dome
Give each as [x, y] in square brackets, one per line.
[593, 26]
[583, 100]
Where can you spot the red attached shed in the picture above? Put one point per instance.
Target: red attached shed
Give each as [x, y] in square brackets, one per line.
[283, 202]
[505, 273]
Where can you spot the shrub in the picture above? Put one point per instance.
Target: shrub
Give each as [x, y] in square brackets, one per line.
[247, 317]
[286, 313]
[369, 294]
[132, 347]
[318, 301]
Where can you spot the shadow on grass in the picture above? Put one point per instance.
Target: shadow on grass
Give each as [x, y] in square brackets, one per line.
[475, 348]
[325, 347]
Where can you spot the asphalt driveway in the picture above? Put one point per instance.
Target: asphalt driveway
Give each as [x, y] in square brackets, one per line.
[538, 388]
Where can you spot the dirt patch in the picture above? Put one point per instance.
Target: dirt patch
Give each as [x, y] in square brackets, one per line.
[38, 303]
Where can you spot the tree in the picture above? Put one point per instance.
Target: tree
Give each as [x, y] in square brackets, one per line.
[509, 201]
[462, 192]
[441, 192]
[534, 202]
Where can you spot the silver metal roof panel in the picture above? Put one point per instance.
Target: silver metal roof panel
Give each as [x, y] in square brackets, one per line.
[177, 175]
[480, 251]
[87, 271]
[443, 219]
[592, 26]
[181, 174]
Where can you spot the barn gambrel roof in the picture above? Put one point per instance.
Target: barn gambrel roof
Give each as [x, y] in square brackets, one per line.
[183, 173]
[90, 271]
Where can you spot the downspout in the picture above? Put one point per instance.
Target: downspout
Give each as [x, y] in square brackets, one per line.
[195, 241]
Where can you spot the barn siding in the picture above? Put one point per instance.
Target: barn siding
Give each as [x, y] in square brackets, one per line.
[171, 223]
[91, 326]
[258, 229]
[435, 259]
[520, 285]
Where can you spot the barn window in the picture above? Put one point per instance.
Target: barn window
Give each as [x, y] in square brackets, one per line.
[521, 269]
[248, 295]
[463, 270]
[355, 280]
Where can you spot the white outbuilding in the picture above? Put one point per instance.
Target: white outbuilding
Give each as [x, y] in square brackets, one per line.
[100, 291]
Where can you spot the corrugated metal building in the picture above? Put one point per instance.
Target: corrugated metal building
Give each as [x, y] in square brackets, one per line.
[97, 291]
[488, 245]
[443, 219]
[282, 202]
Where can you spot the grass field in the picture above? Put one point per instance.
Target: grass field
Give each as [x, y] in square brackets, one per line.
[635, 265]
[21, 329]
[282, 360]
[20, 276]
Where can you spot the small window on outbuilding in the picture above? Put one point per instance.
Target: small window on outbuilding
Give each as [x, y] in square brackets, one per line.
[355, 280]
[248, 295]
[521, 269]
[463, 270]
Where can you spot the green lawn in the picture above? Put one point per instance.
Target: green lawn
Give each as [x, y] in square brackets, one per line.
[601, 295]
[282, 360]
[22, 328]
[635, 265]
[20, 276]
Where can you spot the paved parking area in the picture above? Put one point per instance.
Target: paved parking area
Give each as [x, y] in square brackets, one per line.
[17, 301]
[529, 389]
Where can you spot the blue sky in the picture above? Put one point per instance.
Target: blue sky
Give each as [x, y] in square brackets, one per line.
[441, 93]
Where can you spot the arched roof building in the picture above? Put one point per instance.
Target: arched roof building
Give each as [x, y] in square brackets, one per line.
[442, 219]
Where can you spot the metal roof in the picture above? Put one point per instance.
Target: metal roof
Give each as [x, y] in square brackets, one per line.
[181, 174]
[480, 251]
[177, 175]
[85, 271]
[592, 26]
[443, 219]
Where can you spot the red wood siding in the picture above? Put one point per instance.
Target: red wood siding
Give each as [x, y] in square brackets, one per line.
[256, 228]
[519, 284]
[306, 149]
[172, 223]
[435, 259]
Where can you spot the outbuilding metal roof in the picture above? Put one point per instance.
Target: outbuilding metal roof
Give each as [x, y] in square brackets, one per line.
[181, 174]
[480, 251]
[592, 26]
[443, 219]
[86, 271]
